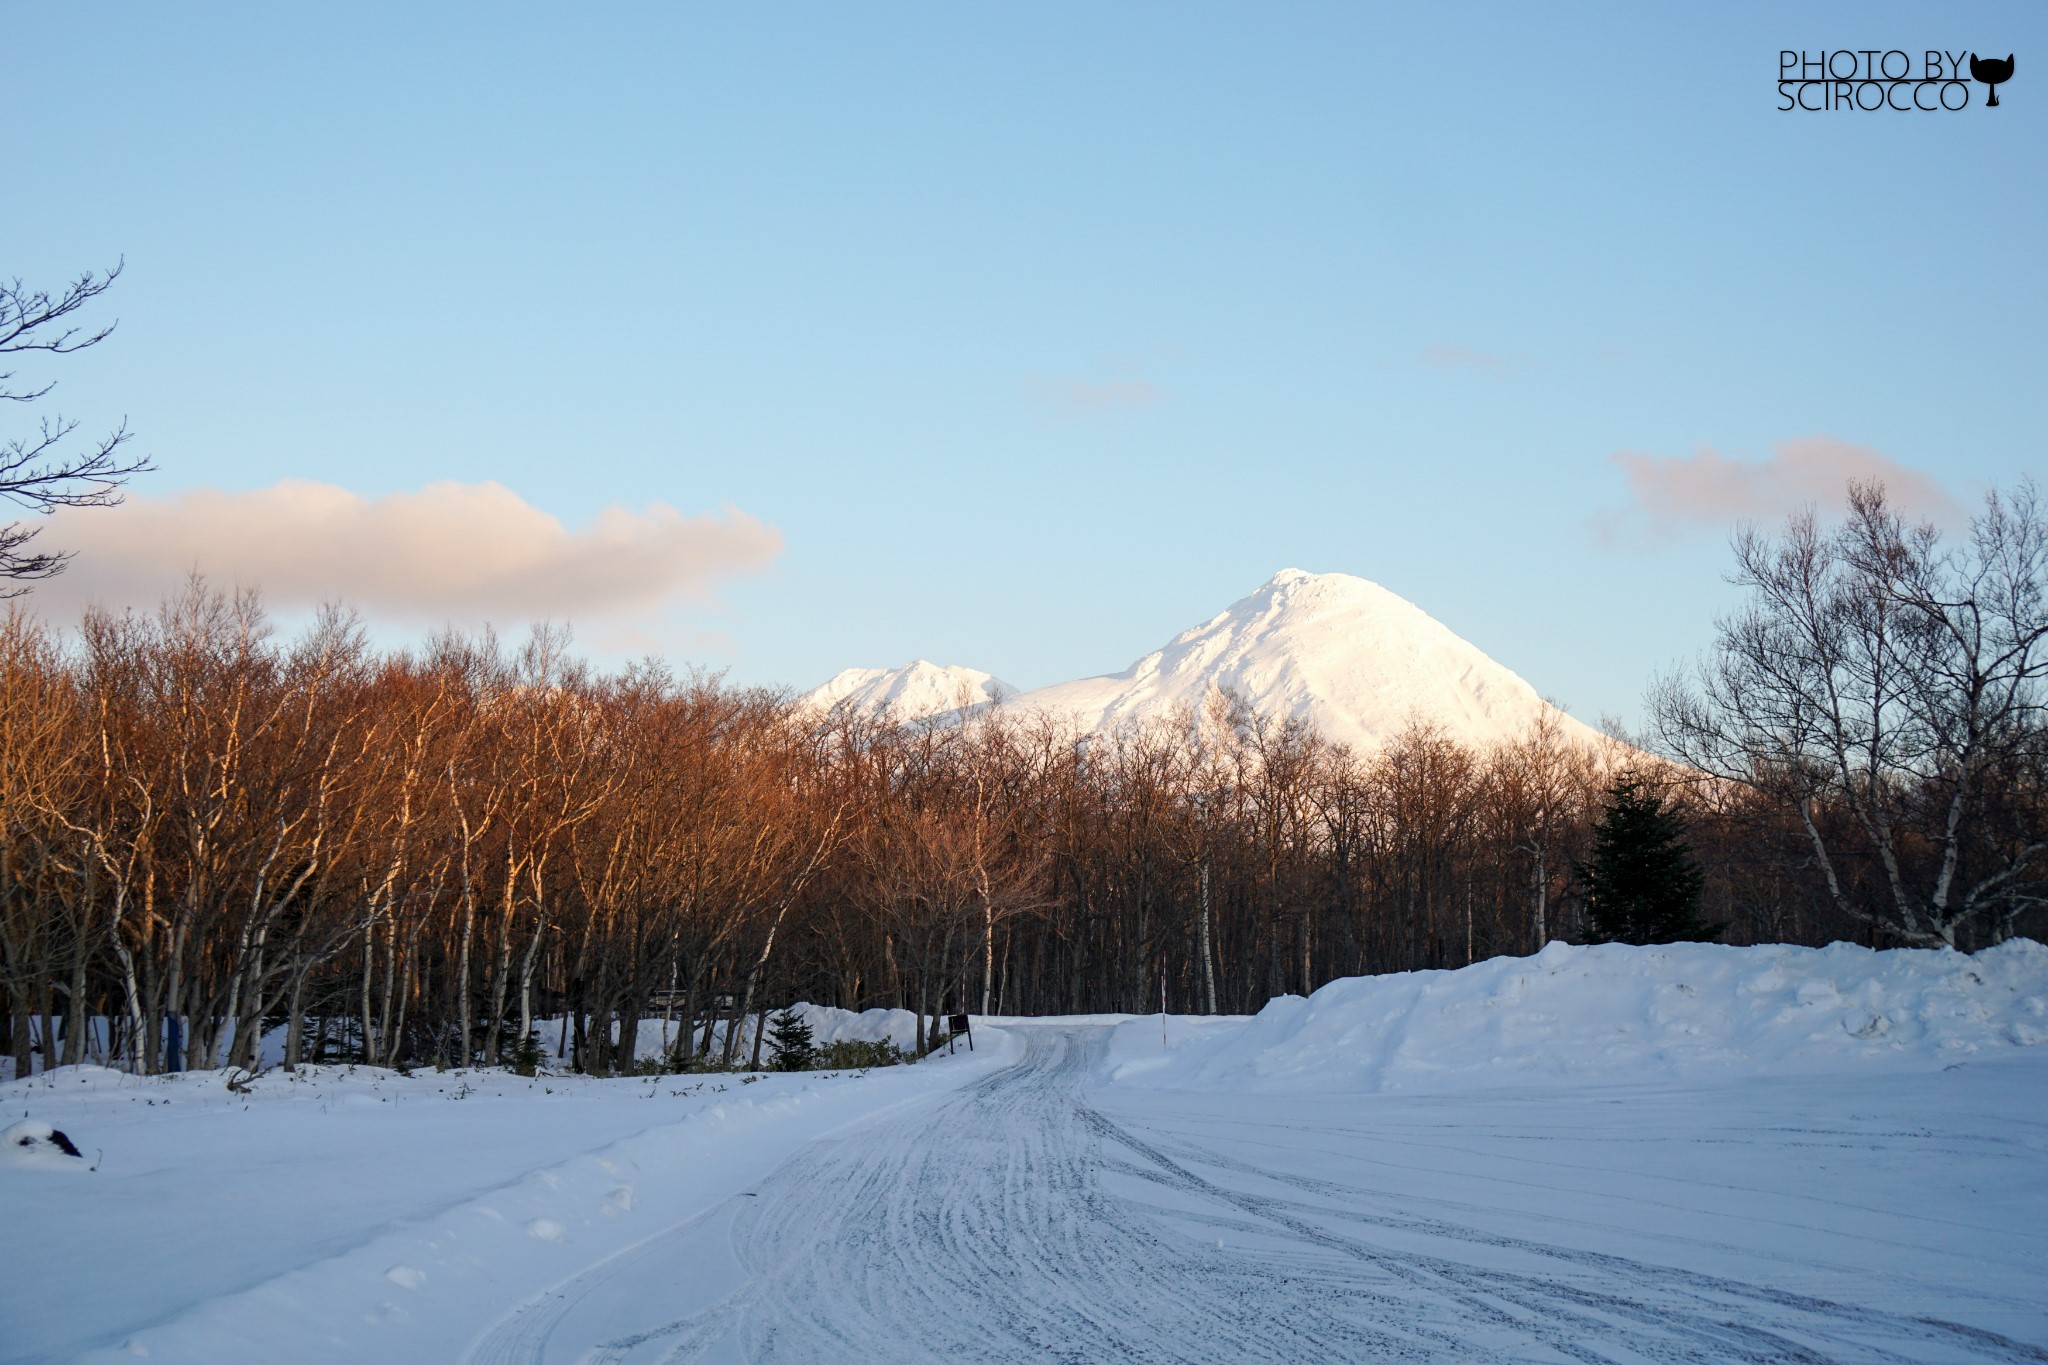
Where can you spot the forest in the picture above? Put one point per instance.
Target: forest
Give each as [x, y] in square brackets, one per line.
[209, 830]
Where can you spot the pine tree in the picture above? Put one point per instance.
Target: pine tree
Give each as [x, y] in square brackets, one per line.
[790, 1036]
[1642, 885]
[527, 1056]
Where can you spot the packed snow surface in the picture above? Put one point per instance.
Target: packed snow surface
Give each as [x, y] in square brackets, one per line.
[1689, 1153]
[1615, 1013]
[1354, 659]
[346, 1214]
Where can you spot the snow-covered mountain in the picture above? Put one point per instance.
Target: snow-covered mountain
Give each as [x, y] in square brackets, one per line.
[919, 690]
[1344, 653]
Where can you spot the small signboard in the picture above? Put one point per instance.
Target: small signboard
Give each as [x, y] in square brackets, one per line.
[956, 1025]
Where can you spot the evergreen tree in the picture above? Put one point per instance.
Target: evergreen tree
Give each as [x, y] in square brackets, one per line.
[527, 1056]
[790, 1036]
[1642, 885]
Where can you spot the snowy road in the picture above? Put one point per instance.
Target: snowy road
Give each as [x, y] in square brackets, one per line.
[1028, 1216]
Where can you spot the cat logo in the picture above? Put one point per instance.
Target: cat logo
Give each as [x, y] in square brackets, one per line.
[1992, 72]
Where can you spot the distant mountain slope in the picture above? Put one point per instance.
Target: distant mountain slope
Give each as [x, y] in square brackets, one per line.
[1344, 653]
[1340, 651]
[917, 691]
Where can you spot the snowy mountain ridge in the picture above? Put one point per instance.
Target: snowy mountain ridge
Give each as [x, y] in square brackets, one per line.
[919, 690]
[1357, 661]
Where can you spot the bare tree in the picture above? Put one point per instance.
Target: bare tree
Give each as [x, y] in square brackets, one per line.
[205, 833]
[1539, 783]
[44, 470]
[1877, 684]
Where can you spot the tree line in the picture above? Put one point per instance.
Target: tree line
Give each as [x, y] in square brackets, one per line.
[208, 831]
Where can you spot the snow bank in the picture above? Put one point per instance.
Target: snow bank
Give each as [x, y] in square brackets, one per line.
[1615, 1013]
[830, 1025]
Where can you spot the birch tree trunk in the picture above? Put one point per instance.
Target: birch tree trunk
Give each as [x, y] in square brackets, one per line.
[1208, 952]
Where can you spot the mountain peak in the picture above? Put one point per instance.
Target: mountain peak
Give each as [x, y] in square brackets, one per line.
[1300, 589]
[918, 690]
[1356, 660]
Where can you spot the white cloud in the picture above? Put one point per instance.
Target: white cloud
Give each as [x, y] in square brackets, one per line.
[1708, 489]
[465, 553]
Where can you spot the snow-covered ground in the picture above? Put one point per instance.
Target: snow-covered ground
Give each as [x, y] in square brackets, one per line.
[1688, 1153]
[344, 1213]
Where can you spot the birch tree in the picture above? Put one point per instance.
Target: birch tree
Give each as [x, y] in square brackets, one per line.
[1875, 683]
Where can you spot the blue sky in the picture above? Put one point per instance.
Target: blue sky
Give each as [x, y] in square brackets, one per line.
[1037, 335]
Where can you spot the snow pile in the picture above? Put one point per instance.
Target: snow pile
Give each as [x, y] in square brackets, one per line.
[32, 1144]
[1346, 654]
[831, 1025]
[1615, 1013]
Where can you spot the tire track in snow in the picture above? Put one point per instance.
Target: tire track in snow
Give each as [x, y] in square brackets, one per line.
[1703, 1317]
[527, 1335]
[986, 1235]
[980, 1229]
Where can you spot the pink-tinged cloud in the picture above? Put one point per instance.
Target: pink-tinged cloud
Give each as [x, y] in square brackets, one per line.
[1463, 358]
[450, 552]
[1708, 489]
[1081, 397]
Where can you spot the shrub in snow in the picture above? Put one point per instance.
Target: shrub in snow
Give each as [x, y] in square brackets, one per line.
[855, 1054]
